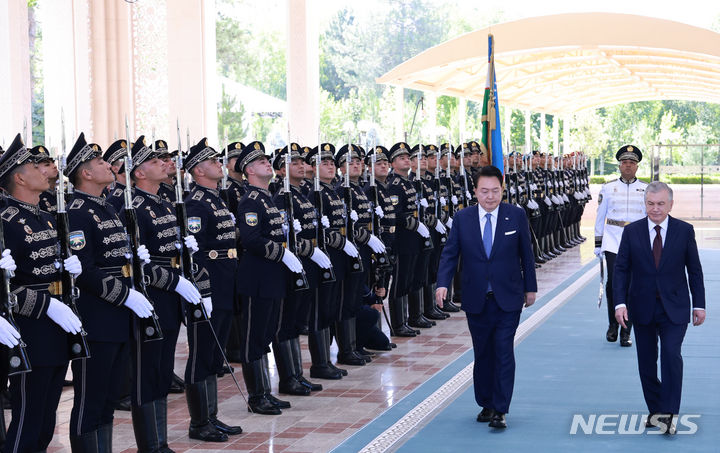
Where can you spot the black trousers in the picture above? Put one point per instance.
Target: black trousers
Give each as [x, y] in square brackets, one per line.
[610, 262]
[259, 317]
[153, 364]
[34, 397]
[293, 313]
[402, 277]
[98, 383]
[204, 358]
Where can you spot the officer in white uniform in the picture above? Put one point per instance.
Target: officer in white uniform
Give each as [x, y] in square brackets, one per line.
[620, 202]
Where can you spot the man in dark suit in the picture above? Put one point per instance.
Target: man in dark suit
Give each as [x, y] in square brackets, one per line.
[498, 277]
[651, 289]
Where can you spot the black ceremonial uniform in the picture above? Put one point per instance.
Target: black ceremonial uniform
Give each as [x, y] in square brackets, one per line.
[116, 196]
[99, 240]
[34, 396]
[167, 192]
[48, 201]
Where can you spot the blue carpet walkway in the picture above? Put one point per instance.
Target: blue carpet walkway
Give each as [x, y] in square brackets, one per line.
[566, 368]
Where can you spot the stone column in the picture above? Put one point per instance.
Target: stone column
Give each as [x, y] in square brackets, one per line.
[303, 71]
[15, 99]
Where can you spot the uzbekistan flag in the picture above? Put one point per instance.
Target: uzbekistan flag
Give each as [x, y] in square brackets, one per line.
[491, 137]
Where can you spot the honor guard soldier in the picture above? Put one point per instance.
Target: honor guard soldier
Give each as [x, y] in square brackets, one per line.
[408, 233]
[294, 308]
[234, 192]
[154, 360]
[44, 321]
[327, 304]
[48, 199]
[359, 215]
[210, 221]
[262, 276]
[167, 187]
[451, 206]
[106, 301]
[114, 155]
[620, 203]
[276, 182]
[438, 232]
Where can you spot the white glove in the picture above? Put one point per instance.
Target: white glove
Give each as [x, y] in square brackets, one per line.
[73, 265]
[138, 304]
[191, 243]
[440, 228]
[9, 336]
[207, 303]
[423, 231]
[63, 316]
[325, 221]
[232, 217]
[188, 291]
[353, 216]
[144, 255]
[7, 263]
[468, 195]
[292, 262]
[321, 259]
[449, 222]
[350, 249]
[454, 200]
[376, 244]
[423, 203]
[379, 212]
[443, 201]
[296, 225]
[598, 251]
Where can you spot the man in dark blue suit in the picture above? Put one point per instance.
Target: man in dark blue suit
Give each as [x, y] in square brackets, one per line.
[651, 288]
[498, 277]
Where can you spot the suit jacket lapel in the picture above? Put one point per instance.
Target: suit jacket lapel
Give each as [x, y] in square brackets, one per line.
[669, 241]
[500, 228]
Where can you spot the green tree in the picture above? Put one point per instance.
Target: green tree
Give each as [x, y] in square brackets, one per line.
[230, 118]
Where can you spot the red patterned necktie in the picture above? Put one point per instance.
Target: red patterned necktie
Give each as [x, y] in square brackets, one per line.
[657, 246]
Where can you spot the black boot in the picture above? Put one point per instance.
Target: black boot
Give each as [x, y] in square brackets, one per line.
[280, 404]
[328, 343]
[345, 335]
[257, 403]
[448, 305]
[200, 426]
[211, 383]
[430, 310]
[398, 320]
[297, 365]
[84, 443]
[288, 384]
[161, 425]
[177, 385]
[320, 354]
[406, 313]
[145, 428]
[415, 308]
[104, 438]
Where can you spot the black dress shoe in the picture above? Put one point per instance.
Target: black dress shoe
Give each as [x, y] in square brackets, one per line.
[342, 371]
[223, 428]
[650, 422]
[612, 333]
[498, 421]
[292, 386]
[207, 433]
[403, 331]
[485, 415]
[393, 345]
[262, 405]
[177, 385]
[276, 402]
[225, 370]
[450, 307]
[625, 340]
[666, 425]
[311, 385]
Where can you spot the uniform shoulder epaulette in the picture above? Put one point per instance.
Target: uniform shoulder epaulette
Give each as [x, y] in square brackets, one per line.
[137, 201]
[76, 204]
[117, 192]
[9, 213]
[396, 181]
[253, 195]
[197, 196]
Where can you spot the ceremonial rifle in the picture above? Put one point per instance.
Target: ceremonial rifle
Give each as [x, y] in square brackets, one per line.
[381, 259]
[77, 342]
[299, 279]
[149, 327]
[18, 361]
[326, 275]
[356, 264]
[443, 236]
[195, 312]
[419, 195]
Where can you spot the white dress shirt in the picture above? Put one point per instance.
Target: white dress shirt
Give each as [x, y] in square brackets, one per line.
[493, 219]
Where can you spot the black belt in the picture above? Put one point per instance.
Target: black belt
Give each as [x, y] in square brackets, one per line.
[220, 254]
[54, 288]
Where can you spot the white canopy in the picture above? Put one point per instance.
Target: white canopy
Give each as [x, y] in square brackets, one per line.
[566, 63]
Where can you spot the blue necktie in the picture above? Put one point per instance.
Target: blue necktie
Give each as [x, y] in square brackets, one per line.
[487, 240]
